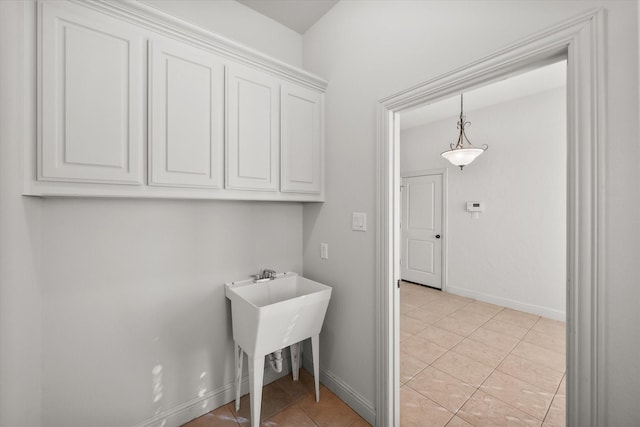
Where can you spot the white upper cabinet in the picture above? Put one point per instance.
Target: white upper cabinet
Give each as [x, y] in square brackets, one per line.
[91, 98]
[253, 129]
[301, 140]
[186, 115]
[135, 103]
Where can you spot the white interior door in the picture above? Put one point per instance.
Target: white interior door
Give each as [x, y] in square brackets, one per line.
[421, 230]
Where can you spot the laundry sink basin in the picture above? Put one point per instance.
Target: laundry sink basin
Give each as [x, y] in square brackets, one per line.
[271, 315]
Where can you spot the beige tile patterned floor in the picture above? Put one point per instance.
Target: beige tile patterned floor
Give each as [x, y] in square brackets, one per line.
[462, 363]
[468, 363]
[287, 403]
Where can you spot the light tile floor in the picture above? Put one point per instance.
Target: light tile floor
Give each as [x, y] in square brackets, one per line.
[287, 403]
[468, 363]
[462, 363]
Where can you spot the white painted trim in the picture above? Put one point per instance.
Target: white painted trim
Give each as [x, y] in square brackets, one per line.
[345, 392]
[444, 261]
[194, 408]
[162, 23]
[509, 303]
[582, 41]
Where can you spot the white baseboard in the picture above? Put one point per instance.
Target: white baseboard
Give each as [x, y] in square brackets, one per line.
[199, 406]
[341, 389]
[509, 303]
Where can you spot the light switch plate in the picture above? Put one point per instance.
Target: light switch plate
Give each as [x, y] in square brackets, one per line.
[359, 221]
[324, 250]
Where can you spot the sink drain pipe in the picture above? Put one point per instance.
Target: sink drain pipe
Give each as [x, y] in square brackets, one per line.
[275, 360]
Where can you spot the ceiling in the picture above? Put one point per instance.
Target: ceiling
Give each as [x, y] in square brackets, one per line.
[299, 15]
[525, 84]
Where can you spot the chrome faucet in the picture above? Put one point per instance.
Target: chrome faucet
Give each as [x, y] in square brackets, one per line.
[265, 275]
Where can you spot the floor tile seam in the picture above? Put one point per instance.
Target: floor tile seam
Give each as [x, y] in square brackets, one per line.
[340, 400]
[417, 373]
[521, 379]
[478, 389]
[309, 415]
[457, 414]
[546, 348]
[498, 399]
[538, 363]
[496, 368]
[478, 361]
[446, 373]
[564, 375]
[493, 346]
[531, 361]
[554, 398]
[435, 403]
[494, 396]
[286, 407]
[521, 327]
[231, 406]
[514, 406]
[520, 340]
[546, 414]
[293, 402]
[432, 364]
[478, 327]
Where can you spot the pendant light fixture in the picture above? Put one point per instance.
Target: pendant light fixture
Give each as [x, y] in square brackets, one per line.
[462, 154]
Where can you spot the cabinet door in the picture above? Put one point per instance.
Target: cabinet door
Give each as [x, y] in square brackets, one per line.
[186, 101]
[253, 130]
[301, 146]
[91, 97]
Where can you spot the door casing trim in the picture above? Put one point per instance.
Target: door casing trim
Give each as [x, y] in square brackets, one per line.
[581, 40]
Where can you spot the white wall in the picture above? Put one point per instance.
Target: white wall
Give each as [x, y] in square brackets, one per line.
[372, 49]
[95, 293]
[131, 285]
[239, 23]
[20, 300]
[514, 254]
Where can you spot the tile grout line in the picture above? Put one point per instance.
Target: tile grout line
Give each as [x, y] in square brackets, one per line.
[521, 339]
[554, 398]
[449, 350]
[496, 368]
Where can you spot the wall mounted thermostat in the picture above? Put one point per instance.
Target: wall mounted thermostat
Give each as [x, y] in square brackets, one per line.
[475, 208]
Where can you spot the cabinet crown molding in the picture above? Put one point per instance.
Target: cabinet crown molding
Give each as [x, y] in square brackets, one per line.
[166, 24]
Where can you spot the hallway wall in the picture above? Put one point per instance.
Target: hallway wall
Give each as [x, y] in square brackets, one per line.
[514, 254]
[369, 50]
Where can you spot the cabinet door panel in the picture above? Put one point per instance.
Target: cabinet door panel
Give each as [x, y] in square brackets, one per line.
[91, 97]
[301, 146]
[253, 130]
[186, 114]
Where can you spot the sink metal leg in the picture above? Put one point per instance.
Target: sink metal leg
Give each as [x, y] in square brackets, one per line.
[295, 360]
[238, 353]
[315, 348]
[256, 374]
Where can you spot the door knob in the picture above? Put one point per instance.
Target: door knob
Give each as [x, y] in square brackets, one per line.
[437, 236]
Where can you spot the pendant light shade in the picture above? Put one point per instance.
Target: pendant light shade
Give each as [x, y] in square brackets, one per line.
[463, 152]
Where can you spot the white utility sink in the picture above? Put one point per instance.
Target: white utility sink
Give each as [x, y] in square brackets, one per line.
[270, 315]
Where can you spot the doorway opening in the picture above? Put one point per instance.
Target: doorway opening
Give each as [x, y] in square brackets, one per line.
[581, 41]
[491, 346]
